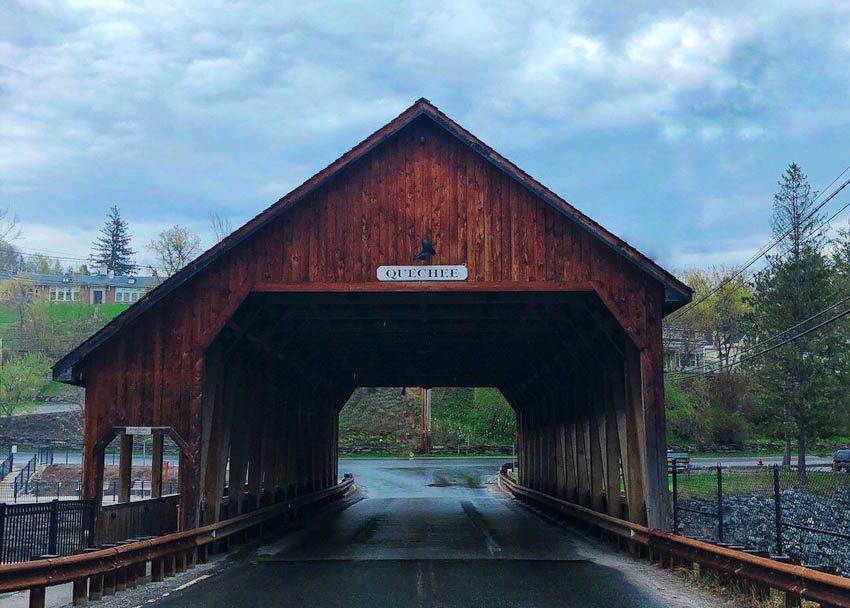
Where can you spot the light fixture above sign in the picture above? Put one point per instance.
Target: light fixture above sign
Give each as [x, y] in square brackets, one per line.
[455, 272]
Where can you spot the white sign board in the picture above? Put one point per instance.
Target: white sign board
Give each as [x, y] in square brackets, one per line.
[138, 430]
[422, 273]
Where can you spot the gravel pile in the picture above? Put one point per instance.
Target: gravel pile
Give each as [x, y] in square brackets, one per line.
[749, 520]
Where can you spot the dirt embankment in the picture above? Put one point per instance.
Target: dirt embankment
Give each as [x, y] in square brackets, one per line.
[62, 428]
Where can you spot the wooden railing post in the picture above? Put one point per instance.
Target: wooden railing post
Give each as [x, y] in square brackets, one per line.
[80, 592]
[95, 580]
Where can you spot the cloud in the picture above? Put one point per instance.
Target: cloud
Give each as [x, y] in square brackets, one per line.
[171, 109]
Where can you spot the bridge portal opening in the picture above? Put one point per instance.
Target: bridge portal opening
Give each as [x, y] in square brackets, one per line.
[280, 372]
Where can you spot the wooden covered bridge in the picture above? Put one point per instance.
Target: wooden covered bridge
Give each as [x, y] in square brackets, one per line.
[247, 355]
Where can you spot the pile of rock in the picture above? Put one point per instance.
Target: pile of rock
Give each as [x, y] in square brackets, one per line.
[749, 520]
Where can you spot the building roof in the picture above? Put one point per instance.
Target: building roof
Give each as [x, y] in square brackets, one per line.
[677, 294]
[82, 280]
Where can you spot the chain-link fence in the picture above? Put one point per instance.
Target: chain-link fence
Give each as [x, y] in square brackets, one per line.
[769, 509]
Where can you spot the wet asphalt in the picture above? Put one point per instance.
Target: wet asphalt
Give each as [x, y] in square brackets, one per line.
[426, 533]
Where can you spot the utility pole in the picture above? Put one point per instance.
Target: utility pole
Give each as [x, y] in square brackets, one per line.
[426, 420]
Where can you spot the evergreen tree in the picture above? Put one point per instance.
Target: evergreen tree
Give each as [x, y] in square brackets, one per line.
[112, 248]
[798, 381]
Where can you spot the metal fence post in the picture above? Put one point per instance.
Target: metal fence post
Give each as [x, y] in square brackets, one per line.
[777, 511]
[53, 530]
[675, 500]
[2, 529]
[719, 504]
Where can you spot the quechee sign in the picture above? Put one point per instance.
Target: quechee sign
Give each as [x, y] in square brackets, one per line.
[423, 273]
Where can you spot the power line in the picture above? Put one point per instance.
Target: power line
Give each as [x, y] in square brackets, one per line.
[719, 365]
[761, 252]
[780, 344]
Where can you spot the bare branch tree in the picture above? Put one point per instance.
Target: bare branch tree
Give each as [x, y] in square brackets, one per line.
[175, 247]
[9, 226]
[220, 225]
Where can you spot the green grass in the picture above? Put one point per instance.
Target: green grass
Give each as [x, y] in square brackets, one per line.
[722, 453]
[8, 314]
[737, 481]
[64, 312]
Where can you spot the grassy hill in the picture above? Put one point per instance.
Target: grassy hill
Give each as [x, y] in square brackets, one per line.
[388, 419]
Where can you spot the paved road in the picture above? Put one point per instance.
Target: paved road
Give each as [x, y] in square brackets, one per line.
[433, 533]
[751, 461]
[53, 408]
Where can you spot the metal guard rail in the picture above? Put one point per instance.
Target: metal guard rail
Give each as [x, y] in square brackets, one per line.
[131, 557]
[671, 549]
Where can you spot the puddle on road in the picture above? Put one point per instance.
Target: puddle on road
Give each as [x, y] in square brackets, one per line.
[464, 480]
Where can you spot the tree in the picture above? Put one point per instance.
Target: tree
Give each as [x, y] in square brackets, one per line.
[42, 264]
[841, 266]
[17, 292]
[721, 315]
[798, 381]
[112, 248]
[174, 248]
[10, 258]
[21, 379]
[221, 226]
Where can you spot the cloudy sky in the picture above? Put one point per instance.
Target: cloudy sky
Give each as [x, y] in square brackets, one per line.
[669, 124]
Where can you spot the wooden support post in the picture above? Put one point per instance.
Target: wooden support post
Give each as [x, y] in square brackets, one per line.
[255, 451]
[80, 592]
[634, 436]
[156, 570]
[582, 431]
[121, 579]
[95, 587]
[180, 562]
[238, 461]
[570, 459]
[125, 468]
[37, 595]
[109, 580]
[655, 447]
[561, 458]
[156, 465]
[613, 401]
[270, 439]
[168, 565]
[597, 480]
[218, 415]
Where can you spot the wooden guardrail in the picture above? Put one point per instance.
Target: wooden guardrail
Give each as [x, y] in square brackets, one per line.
[103, 571]
[756, 574]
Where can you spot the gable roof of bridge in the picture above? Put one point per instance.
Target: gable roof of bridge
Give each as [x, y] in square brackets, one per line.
[677, 293]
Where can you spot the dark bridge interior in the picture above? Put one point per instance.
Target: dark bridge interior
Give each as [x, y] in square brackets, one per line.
[290, 360]
[519, 342]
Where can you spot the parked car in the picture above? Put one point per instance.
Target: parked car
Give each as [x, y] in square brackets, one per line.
[841, 460]
[682, 460]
